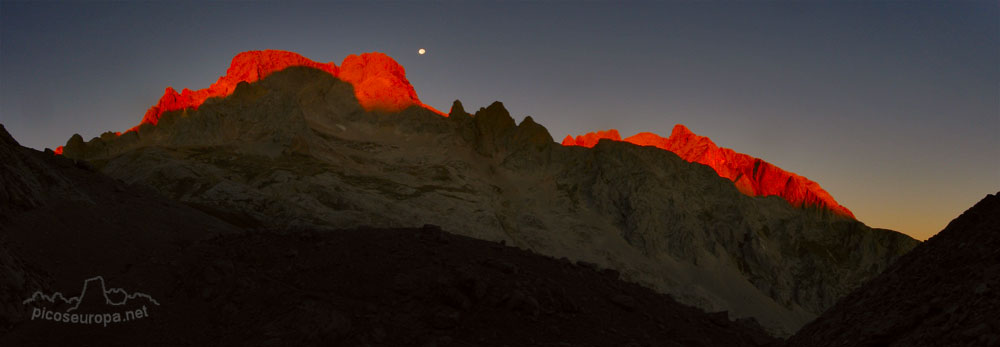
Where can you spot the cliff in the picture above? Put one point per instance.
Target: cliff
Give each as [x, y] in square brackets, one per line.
[751, 176]
[297, 148]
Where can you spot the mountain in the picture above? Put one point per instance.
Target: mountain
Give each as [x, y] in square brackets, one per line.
[201, 281]
[20, 188]
[61, 222]
[298, 149]
[752, 176]
[379, 82]
[946, 292]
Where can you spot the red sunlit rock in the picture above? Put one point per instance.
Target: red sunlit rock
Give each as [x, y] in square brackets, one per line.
[380, 83]
[591, 139]
[247, 66]
[752, 176]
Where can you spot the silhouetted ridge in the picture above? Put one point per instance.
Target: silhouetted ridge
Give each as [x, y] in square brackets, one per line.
[457, 109]
[946, 292]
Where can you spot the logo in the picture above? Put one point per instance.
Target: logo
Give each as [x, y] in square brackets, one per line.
[96, 304]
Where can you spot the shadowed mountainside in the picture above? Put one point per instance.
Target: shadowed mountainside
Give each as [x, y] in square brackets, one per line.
[946, 292]
[219, 285]
[61, 222]
[297, 148]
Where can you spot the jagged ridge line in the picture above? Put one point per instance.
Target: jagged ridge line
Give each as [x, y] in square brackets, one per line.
[49, 298]
[83, 292]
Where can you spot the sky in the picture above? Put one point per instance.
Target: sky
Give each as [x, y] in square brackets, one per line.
[893, 107]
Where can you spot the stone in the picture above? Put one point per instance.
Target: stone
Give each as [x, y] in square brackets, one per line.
[379, 82]
[588, 265]
[444, 319]
[935, 295]
[624, 301]
[752, 176]
[309, 155]
[457, 110]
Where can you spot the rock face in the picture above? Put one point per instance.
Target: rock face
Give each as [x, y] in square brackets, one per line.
[379, 82]
[71, 230]
[246, 67]
[946, 292]
[591, 139]
[56, 212]
[752, 176]
[23, 182]
[297, 149]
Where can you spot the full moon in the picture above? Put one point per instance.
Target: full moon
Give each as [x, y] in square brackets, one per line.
[421, 51]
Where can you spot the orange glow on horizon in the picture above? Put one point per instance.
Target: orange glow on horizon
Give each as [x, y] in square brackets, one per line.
[752, 176]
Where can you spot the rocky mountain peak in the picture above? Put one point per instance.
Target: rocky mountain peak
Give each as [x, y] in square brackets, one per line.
[591, 139]
[297, 148]
[5, 139]
[379, 82]
[457, 109]
[752, 176]
[530, 133]
[493, 123]
[249, 66]
[681, 131]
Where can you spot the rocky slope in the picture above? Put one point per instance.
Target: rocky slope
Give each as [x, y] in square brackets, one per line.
[379, 82]
[391, 287]
[219, 285]
[946, 292]
[61, 222]
[20, 188]
[752, 176]
[297, 149]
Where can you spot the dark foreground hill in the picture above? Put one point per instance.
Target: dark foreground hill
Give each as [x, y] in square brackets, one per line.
[216, 284]
[61, 222]
[946, 292]
[392, 287]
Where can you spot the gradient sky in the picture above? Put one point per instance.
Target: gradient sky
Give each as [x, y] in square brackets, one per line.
[893, 107]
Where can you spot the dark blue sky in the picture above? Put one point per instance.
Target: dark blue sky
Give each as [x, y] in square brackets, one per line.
[893, 107]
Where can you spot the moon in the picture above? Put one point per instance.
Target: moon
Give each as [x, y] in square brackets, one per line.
[421, 51]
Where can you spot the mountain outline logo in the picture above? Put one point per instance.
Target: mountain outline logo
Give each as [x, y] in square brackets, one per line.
[91, 285]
